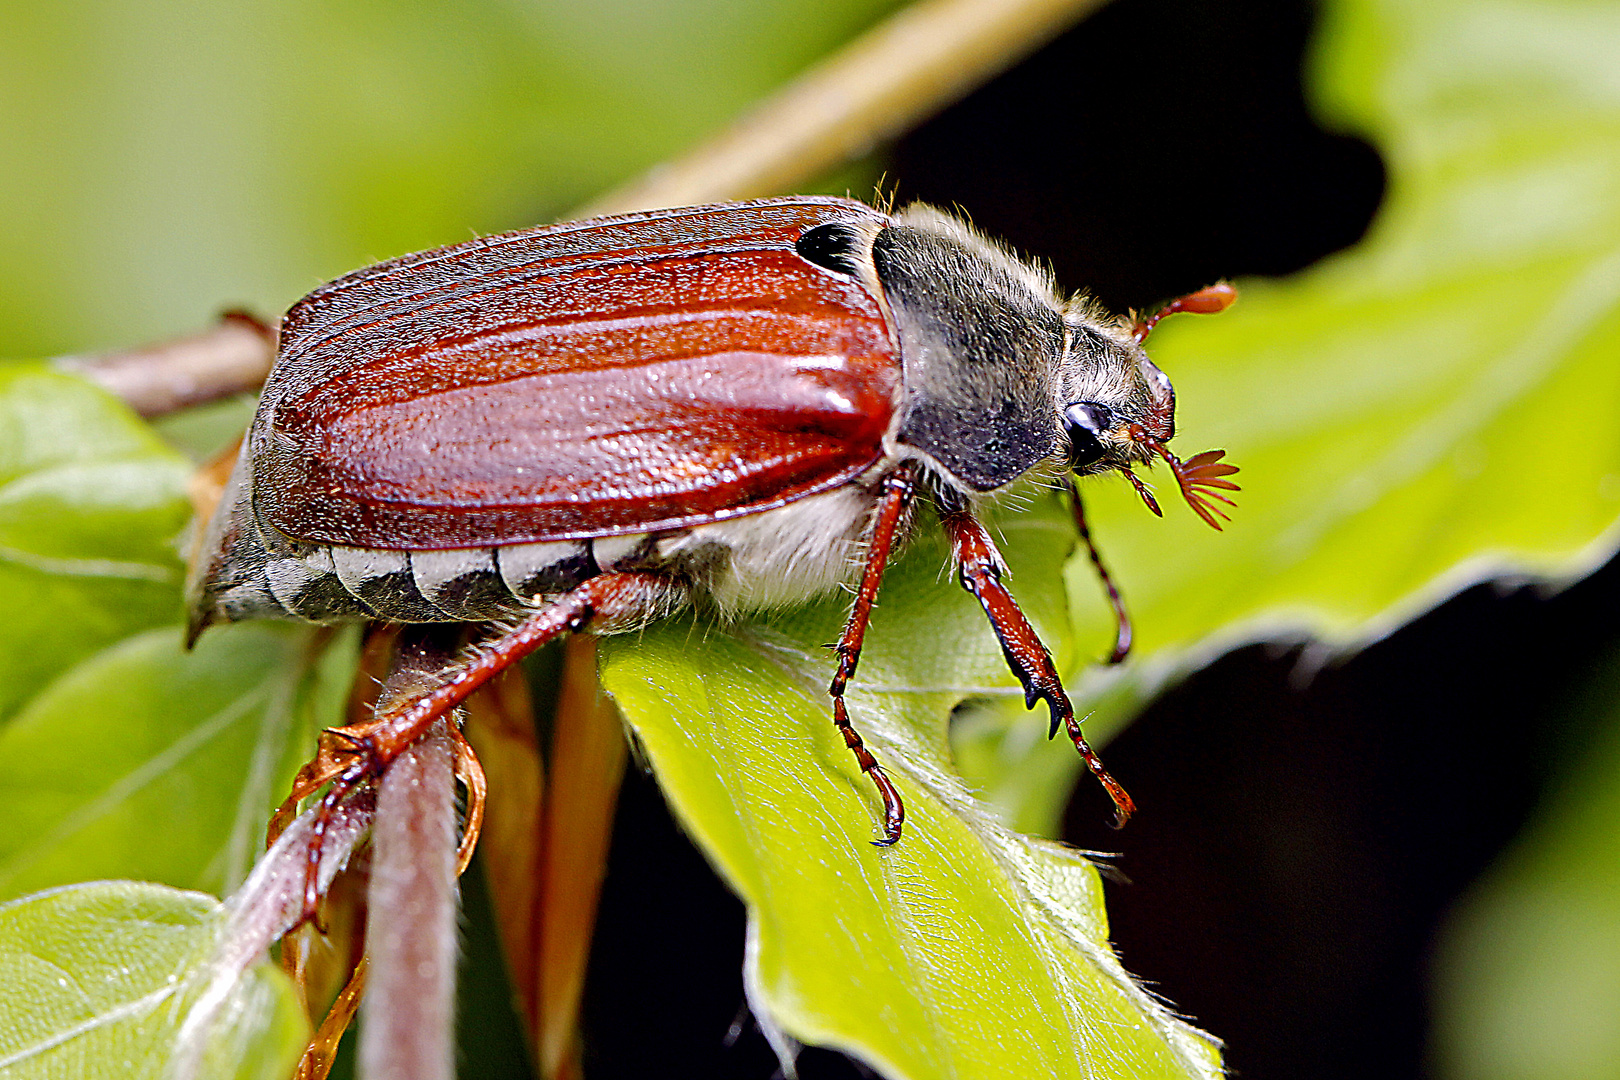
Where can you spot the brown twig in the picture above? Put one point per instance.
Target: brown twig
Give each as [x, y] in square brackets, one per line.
[411, 933]
[232, 358]
[921, 59]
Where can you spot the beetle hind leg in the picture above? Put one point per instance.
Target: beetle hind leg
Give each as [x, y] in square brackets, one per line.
[898, 489]
[347, 757]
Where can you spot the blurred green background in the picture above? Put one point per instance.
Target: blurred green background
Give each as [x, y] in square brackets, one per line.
[165, 159]
[1399, 865]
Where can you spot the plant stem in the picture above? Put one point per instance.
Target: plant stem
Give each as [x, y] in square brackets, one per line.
[921, 59]
[231, 358]
[409, 1011]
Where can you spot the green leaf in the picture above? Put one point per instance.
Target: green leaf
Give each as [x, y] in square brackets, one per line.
[92, 507]
[918, 959]
[121, 754]
[148, 761]
[1434, 407]
[98, 979]
[1438, 404]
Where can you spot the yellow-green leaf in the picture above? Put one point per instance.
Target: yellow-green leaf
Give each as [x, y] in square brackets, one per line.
[965, 950]
[1438, 405]
[98, 980]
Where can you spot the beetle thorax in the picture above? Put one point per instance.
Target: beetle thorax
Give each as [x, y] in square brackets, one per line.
[779, 558]
[994, 362]
[981, 335]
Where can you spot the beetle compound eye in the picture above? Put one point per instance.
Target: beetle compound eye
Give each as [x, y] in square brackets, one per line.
[834, 247]
[1085, 424]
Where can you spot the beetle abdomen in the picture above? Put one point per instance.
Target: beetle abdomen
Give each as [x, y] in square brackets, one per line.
[771, 559]
[328, 583]
[252, 570]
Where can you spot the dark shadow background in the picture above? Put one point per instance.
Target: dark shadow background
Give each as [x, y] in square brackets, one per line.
[1301, 837]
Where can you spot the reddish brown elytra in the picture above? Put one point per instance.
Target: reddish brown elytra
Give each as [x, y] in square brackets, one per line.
[588, 425]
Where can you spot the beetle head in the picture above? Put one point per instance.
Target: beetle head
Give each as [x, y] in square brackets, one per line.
[1116, 405]
[1118, 409]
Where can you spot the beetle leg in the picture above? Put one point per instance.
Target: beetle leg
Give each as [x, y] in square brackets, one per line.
[1122, 618]
[898, 488]
[471, 774]
[980, 569]
[340, 777]
[344, 783]
[348, 756]
[607, 601]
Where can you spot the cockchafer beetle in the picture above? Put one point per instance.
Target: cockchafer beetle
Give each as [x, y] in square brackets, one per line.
[590, 424]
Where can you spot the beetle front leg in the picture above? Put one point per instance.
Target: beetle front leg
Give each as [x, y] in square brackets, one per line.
[898, 489]
[980, 568]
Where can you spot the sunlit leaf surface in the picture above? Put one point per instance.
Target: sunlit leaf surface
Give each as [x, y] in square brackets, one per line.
[964, 950]
[1437, 405]
[98, 979]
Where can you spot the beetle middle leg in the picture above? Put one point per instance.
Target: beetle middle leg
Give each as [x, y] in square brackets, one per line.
[1122, 617]
[980, 567]
[898, 488]
[351, 755]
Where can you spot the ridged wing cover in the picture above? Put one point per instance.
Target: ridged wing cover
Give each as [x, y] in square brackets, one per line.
[586, 379]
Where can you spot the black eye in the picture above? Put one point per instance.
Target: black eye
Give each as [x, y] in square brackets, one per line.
[1084, 424]
[832, 246]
